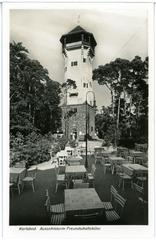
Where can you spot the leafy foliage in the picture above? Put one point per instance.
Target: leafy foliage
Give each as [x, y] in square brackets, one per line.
[126, 81]
[32, 94]
[33, 149]
[34, 108]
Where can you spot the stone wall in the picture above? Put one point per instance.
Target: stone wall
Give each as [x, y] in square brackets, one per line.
[76, 123]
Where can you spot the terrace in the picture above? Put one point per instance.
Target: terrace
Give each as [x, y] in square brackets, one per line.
[28, 208]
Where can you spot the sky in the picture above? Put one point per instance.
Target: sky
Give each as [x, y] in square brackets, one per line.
[120, 32]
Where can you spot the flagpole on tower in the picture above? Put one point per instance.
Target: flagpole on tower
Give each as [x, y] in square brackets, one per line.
[78, 19]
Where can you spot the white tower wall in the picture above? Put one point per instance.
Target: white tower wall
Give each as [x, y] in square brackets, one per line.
[81, 73]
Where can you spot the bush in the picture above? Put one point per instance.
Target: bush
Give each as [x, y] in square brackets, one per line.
[32, 149]
[62, 142]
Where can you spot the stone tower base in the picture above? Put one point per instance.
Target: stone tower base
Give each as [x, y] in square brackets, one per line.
[74, 121]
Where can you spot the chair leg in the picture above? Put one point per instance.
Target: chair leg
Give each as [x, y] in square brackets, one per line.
[22, 186]
[33, 186]
[120, 182]
[56, 187]
[123, 184]
[131, 184]
[19, 191]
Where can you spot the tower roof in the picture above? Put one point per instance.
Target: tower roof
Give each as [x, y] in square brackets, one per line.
[77, 29]
[75, 35]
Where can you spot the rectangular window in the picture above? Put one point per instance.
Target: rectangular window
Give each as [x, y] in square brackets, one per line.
[84, 60]
[85, 85]
[74, 63]
[92, 129]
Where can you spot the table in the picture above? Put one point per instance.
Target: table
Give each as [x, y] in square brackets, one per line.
[114, 161]
[122, 151]
[15, 172]
[85, 199]
[141, 147]
[136, 154]
[132, 169]
[74, 160]
[78, 170]
[102, 156]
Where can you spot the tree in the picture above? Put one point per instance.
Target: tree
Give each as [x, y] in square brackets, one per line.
[129, 90]
[32, 94]
[104, 124]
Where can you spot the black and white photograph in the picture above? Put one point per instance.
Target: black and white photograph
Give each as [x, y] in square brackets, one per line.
[79, 115]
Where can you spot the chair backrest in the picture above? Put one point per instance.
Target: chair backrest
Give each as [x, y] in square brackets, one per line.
[124, 154]
[93, 168]
[113, 192]
[47, 204]
[87, 216]
[119, 169]
[119, 203]
[106, 159]
[47, 193]
[32, 173]
[74, 163]
[81, 185]
[56, 170]
[138, 188]
[139, 159]
[14, 178]
[98, 159]
[78, 181]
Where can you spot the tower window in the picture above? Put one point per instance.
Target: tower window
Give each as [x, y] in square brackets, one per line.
[74, 63]
[84, 60]
[85, 85]
[92, 129]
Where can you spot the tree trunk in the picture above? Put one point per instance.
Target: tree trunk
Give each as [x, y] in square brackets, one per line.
[118, 111]
[117, 121]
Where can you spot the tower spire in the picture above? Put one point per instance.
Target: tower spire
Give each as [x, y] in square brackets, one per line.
[78, 19]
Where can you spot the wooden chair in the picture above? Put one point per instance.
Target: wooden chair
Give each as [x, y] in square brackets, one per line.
[117, 212]
[138, 160]
[91, 175]
[107, 164]
[85, 216]
[140, 191]
[123, 177]
[141, 178]
[15, 183]
[55, 218]
[54, 208]
[81, 185]
[78, 181]
[141, 198]
[108, 205]
[30, 178]
[60, 179]
[98, 159]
